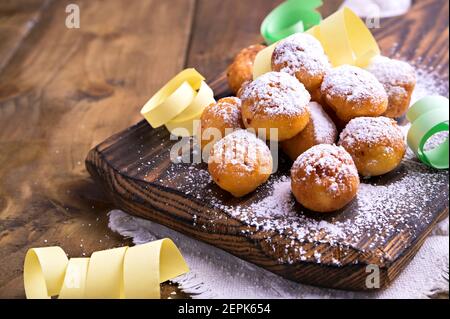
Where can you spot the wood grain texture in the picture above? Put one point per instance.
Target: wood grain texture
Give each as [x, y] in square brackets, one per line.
[63, 91]
[420, 37]
[134, 167]
[17, 19]
[223, 28]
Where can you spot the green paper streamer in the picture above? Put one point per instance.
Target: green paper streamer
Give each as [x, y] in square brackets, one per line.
[429, 116]
[290, 17]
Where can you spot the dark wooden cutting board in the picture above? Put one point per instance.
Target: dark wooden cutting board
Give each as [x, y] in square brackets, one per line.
[385, 226]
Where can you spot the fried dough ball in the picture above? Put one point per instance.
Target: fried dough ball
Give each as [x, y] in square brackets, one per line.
[301, 55]
[352, 92]
[224, 116]
[241, 90]
[316, 95]
[376, 144]
[399, 80]
[276, 100]
[324, 178]
[340, 124]
[240, 162]
[241, 70]
[320, 130]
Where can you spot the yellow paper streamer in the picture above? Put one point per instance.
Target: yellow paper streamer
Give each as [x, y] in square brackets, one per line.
[124, 272]
[183, 125]
[178, 103]
[263, 61]
[344, 37]
[74, 284]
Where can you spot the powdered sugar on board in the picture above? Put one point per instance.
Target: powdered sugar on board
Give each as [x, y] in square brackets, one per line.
[382, 209]
[428, 83]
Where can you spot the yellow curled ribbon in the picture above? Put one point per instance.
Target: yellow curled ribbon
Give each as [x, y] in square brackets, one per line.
[344, 37]
[263, 61]
[132, 273]
[179, 103]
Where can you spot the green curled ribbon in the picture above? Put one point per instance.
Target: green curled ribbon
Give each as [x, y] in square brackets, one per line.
[429, 116]
[290, 17]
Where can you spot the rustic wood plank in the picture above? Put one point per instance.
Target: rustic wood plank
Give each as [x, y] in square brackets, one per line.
[427, 27]
[223, 28]
[22, 195]
[17, 19]
[62, 92]
[136, 171]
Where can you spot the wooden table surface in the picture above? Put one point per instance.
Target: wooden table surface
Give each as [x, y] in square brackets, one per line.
[62, 91]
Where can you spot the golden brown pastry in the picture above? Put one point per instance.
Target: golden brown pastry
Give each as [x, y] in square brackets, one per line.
[376, 144]
[278, 101]
[220, 118]
[316, 95]
[324, 178]
[241, 90]
[320, 130]
[340, 124]
[241, 70]
[240, 162]
[352, 92]
[301, 55]
[399, 81]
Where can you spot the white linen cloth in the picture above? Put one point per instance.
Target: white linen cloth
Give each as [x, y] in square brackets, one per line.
[217, 274]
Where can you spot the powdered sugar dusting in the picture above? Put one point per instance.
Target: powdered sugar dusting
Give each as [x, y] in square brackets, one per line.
[324, 128]
[384, 207]
[428, 83]
[301, 52]
[241, 149]
[277, 93]
[435, 140]
[371, 131]
[227, 110]
[382, 211]
[325, 164]
[392, 72]
[356, 84]
[279, 203]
